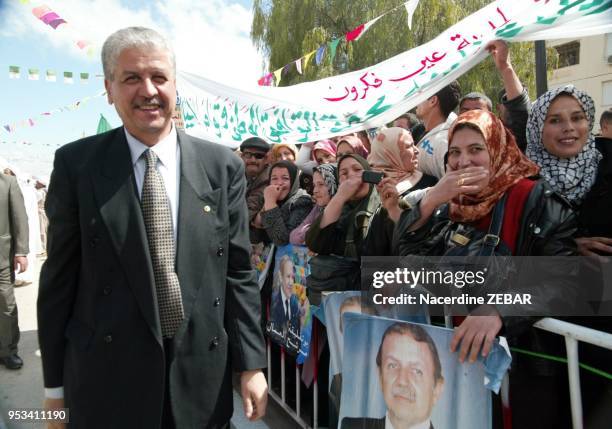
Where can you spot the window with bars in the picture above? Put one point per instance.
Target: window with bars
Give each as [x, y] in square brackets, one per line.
[569, 54]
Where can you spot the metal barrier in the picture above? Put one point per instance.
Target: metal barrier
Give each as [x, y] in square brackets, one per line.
[574, 333]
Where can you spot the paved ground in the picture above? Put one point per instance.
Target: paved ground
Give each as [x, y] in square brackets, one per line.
[24, 388]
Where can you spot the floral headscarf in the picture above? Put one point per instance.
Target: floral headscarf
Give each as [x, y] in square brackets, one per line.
[329, 172]
[570, 177]
[390, 153]
[508, 165]
[324, 145]
[356, 144]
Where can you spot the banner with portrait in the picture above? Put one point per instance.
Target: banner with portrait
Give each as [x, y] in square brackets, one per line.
[290, 316]
[261, 260]
[402, 374]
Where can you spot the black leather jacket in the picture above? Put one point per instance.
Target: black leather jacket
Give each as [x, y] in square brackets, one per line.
[547, 227]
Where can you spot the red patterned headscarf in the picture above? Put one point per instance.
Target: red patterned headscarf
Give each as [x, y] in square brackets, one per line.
[508, 165]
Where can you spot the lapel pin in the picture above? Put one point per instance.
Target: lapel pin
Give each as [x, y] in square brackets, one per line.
[206, 209]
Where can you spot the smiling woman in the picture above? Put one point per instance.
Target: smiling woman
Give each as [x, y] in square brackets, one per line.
[285, 204]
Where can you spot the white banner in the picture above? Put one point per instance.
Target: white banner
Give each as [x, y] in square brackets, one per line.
[378, 94]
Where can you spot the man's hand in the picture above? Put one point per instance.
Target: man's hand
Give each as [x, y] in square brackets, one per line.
[500, 54]
[254, 391]
[52, 405]
[21, 263]
[389, 198]
[476, 332]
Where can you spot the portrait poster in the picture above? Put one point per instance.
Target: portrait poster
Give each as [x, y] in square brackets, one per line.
[334, 305]
[404, 373]
[261, 260]
[290, 318]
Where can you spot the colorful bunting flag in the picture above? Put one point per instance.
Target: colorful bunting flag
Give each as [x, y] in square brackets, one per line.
[278, 74]
[333, 45]
[51, 76]
[84, 77]
[298, 65]
[411, 6]
[33, 74]
[82, 44]
[14, 72]
[357, 32]
[68, 77]
[307, 58]
[320, 54]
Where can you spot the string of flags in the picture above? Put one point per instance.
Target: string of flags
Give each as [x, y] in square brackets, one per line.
[52, 75]
[54, 20]
[30, 122]
[355, 34]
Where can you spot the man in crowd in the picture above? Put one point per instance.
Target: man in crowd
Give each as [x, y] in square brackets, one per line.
[604, 141]
[411, 380]
[254, 153]
[437, 115]
[147, 300]
[14, 239]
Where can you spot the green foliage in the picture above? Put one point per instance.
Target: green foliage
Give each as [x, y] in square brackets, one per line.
[285, 30]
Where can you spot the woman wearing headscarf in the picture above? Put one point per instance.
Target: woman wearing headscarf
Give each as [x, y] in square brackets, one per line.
[560, 141]
[395, 154]
[351, 144]
[325, 185]
[342, 227]
[285, 204]
[324, 152]
[485, 166]
[284, 152]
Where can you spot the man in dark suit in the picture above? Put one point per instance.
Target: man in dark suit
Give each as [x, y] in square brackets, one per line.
[411, 379]
[14, 240]
[147, 299]
[285, 304]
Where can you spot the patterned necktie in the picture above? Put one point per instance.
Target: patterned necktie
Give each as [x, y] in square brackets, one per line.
[158, 223]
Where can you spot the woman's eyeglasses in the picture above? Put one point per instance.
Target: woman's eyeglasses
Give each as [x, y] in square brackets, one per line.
[256, 155]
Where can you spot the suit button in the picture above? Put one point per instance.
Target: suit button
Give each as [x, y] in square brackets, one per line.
[108, 339]
[220, 251]
[214, 343]
[106, 291]
[217, 301]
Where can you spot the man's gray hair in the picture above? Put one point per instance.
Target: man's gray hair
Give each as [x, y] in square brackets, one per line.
[132, 37]
[477, 96]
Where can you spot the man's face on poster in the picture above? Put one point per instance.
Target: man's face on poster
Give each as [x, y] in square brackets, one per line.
[407, 379]
[287, 278]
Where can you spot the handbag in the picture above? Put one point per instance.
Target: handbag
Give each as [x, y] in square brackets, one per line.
[333, 273]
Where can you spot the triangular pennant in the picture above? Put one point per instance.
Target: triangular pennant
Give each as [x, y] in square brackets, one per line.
[82, 44]
[286, 69]
[320, 54]
[7, 128]
[359, 31]
[333, 45]
[278, 74]
[14, 72]
[411, 6]
[307, 58]
[38, 12]
[33, 74]
[298, 65]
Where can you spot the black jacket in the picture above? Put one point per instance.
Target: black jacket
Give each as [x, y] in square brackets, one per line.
[547, 227]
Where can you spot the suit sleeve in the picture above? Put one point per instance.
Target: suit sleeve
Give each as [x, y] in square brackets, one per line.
[243, 305]
[19, 220]
[59, 274]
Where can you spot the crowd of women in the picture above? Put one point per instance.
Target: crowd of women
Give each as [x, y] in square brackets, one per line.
[556, 199]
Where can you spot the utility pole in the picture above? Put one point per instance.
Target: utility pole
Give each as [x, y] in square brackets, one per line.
[540, 63]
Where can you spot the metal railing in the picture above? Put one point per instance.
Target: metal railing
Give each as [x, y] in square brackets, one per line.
[574, 333]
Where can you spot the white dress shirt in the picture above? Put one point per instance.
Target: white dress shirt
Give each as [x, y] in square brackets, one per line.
[423, 425]
[169, 154]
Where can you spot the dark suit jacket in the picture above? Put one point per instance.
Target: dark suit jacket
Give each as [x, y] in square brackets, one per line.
[14, 237]
[365, 423]
[99, 328]
[278, 311]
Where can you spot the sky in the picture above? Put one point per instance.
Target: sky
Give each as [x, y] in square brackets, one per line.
[210, 38]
